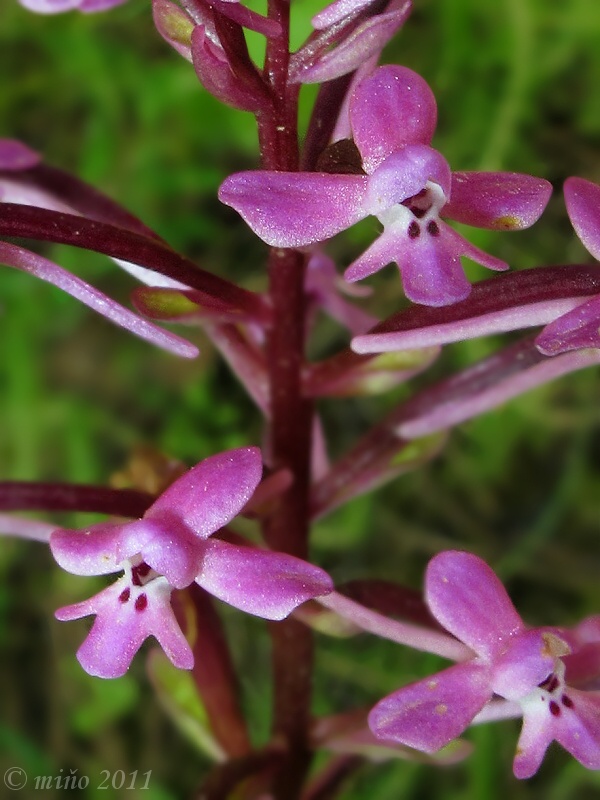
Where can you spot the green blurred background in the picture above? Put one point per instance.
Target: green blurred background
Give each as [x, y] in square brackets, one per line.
[104, 96]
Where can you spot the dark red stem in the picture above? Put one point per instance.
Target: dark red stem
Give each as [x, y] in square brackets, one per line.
[286, 529]
[25, 496]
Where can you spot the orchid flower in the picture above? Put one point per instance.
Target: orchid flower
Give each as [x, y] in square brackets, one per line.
[580, 327]
[529, 667]
[169, 548]
[402, 181]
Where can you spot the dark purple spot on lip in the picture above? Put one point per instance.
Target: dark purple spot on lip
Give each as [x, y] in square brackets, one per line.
[554, 708]
[124, 596]
[432, 228]
[141, 602]
[566, 701]
[138, 572]
[550, 683]
[413, 230]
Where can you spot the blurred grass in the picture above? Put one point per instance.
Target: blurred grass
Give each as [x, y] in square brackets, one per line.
[103, 96]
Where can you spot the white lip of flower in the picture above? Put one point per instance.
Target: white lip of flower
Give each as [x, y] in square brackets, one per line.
[551, 696]
[138, 575]
[417, 213]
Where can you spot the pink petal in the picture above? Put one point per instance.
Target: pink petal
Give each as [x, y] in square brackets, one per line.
[289, 209]
[91, 551]
[269, 585]
[120, 627]
[429, 714]
[404, 174]
[212, 493]
[527, 662]
[497, 200]
[464, 248]
[431, 273]
[388, 248]
[467, 598]
[576, 727]
[575, 330]
[583, 666]
[392, 108]
[583, 205]
[15, 155]
[165, 544]
[46, 270]
[534, 740]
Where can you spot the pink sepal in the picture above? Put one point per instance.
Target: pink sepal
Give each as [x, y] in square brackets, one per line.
[583, 206]
[269, 585]
[469, 600]
[212, 493]
[91, 551]
[503, 201]
[390, 109]
[429, 714]
[295, 209]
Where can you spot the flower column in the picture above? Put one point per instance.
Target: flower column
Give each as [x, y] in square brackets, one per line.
[286, 530]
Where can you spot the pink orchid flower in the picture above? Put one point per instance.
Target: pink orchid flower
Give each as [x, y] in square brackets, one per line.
[169, 547]
[403, 182]
[535, 669]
